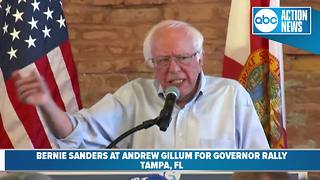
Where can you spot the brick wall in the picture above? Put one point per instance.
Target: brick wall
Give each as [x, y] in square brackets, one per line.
[107, 36]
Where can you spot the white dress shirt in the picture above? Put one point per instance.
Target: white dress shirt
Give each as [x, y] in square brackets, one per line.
[221, 115]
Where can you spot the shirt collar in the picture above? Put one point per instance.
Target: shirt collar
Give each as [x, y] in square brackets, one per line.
[200, 90]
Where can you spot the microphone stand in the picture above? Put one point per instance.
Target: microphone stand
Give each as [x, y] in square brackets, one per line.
[163, 120]
[144, 125]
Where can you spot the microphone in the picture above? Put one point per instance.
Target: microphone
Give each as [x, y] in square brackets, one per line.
[163, 120]
[172, 95]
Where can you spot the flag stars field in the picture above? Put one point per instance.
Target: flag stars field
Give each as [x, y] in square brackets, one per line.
[19, 19]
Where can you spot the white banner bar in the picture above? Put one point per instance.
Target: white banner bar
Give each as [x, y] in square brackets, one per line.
[2, 163]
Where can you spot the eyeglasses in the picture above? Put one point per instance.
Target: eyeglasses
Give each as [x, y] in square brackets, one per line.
[164, 61]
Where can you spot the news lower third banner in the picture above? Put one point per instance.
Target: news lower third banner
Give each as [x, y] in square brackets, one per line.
[151, 160]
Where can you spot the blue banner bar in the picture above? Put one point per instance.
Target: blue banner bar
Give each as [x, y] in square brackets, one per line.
[305, 42]
[150, 160]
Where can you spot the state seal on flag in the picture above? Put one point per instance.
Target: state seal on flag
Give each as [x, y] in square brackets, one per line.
[261, 77]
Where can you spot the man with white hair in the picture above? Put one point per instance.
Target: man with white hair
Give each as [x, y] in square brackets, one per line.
[211, 112]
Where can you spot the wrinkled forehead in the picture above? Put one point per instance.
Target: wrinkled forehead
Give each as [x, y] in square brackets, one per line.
[169, 41]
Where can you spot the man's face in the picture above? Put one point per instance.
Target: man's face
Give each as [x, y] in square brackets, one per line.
[176, 42]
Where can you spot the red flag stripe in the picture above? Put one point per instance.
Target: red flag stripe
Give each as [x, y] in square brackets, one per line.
[10, 120]
[5, 142]
[231, 68]
[44, 69]
[68, 59]
[62, 77]
[29, 118]
[257, 42]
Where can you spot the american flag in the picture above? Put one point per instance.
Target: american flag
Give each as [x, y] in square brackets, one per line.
[34, 37]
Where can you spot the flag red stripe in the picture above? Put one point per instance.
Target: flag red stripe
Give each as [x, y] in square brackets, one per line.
[5, 142]
[231, 68]
[71, 67]
[29, 118]
[257, 42]
[44, 69]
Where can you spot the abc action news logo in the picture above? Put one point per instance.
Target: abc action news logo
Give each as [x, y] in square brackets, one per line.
[281, 20]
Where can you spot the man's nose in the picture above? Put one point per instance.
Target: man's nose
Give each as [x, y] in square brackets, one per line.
[174, 66]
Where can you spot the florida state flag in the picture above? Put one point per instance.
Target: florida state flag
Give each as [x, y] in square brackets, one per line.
[257, 64]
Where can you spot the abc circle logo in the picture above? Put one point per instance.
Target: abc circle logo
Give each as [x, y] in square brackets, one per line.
[266, 20]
